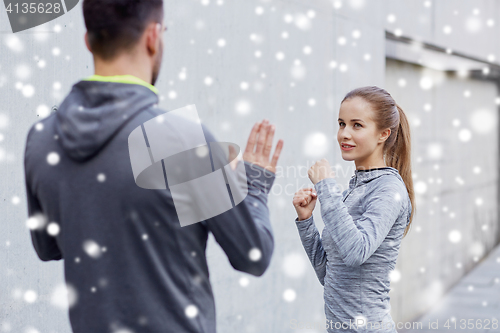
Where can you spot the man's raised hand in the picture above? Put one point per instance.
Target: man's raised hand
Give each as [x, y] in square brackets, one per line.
[259, 145]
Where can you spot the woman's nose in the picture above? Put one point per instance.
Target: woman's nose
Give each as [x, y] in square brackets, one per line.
[345, 135]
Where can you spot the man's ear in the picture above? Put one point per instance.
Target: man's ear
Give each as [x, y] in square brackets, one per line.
[87, 42]
[153, 33]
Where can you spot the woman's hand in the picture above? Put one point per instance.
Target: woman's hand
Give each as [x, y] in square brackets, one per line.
[304, 202]
[320, 170]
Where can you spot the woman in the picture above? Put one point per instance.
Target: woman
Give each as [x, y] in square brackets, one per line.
[364, 225]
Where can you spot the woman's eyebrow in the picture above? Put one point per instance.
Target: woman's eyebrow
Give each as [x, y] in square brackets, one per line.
[353, 120]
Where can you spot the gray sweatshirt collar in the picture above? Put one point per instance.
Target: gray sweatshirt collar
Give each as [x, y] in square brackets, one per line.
[364, 176]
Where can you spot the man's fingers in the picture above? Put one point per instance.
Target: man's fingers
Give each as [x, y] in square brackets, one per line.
[269, 142]
[262, 138]
[277, 152]
[252, 138]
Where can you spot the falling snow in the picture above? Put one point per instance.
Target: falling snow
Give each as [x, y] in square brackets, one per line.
[291, 54]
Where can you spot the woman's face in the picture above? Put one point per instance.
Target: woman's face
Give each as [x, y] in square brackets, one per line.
[357, 129]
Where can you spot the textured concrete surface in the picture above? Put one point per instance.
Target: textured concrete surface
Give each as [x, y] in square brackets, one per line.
[456, 222]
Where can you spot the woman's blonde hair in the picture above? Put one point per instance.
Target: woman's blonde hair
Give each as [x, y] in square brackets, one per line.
[397, 148]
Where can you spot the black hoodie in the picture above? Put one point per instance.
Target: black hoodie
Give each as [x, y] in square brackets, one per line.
[128, 263]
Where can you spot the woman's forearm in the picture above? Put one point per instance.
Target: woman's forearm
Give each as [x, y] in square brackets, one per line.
[313, 246]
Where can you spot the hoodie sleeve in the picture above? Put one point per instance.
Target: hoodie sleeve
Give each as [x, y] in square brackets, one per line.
[244, 232]
[357, 242]
[45, 245]
[313, 245]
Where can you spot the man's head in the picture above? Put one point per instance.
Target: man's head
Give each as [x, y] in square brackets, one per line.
[131, 27]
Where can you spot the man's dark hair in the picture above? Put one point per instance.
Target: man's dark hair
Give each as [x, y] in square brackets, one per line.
[114, 26]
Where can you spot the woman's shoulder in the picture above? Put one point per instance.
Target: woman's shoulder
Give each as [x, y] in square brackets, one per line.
[388, 184]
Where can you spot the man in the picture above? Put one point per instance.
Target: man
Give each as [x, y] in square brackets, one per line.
[129, 265]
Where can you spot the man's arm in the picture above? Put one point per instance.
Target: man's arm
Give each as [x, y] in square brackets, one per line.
[244, 232]
[45, 245]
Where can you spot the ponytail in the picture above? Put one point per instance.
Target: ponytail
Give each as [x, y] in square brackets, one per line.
[399, 157]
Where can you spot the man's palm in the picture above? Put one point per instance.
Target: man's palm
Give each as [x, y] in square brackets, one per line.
[259, 145]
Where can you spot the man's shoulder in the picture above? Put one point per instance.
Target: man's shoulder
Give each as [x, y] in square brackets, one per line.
[180, 118]
[39, 126]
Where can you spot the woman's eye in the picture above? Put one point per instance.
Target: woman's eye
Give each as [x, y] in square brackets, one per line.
[342, 123]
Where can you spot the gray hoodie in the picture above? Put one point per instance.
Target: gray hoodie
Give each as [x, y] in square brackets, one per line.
[358, 247]
[129, 263]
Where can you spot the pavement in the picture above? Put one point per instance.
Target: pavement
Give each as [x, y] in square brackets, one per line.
[472, 305]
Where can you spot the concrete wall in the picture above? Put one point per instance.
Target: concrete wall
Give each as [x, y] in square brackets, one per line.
[331, 48]
[456, 182]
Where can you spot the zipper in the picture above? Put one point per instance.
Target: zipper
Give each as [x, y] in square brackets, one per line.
[355, 183]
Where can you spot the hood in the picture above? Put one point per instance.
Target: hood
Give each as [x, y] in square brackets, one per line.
[94, 111]
[365, 176]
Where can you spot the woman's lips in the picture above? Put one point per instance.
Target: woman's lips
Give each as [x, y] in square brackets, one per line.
[347, 149]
